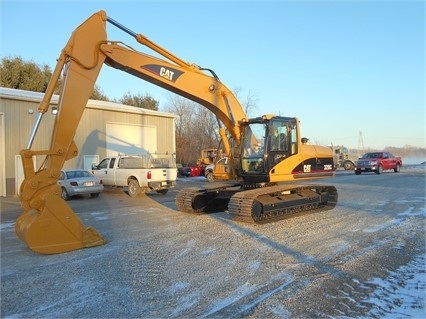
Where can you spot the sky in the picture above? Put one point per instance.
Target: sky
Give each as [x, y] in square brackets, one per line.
[353, 72]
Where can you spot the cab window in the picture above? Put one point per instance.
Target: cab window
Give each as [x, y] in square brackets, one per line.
[103, 164]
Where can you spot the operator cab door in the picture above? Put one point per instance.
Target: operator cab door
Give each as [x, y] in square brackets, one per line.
[281, 140]
[106, 171]
[253, 152]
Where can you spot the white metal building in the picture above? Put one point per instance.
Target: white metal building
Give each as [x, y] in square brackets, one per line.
[105, 129]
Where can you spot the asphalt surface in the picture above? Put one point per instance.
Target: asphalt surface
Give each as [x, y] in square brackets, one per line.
[365, 258]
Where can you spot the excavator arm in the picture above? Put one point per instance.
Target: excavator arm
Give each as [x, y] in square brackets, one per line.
[48, 225]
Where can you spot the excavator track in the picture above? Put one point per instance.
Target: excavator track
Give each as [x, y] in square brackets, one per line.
[260, 205]
[269, 204]
[205, 200]
[184, 199]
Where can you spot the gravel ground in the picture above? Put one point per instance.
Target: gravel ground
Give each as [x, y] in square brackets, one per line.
[363, 259]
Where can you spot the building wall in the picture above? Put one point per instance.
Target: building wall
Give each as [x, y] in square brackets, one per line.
[19, 110]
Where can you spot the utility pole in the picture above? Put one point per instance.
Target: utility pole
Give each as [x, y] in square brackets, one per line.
[360, 143]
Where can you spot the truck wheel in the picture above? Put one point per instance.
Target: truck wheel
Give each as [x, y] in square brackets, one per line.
[379, 170]
[348, 166]
[94, 195]
[133, 188]
[210, 177]
[64, 194]
[357, 172]
[163, 191]
[397, 168]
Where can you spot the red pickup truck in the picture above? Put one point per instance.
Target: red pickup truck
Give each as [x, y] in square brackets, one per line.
[378, 162]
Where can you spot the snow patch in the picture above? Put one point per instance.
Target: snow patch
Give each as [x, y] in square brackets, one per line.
[411, 212]
[185, 303]
[99, 215]
[253, 292]
[255, 265]
[376, 228]
[177, 286]
[208, 251]
[7, 225]
[402, 293]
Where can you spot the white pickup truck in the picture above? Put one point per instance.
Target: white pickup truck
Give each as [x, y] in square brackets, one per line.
[139, 173]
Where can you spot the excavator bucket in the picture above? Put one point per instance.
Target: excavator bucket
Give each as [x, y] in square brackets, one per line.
[55, 228]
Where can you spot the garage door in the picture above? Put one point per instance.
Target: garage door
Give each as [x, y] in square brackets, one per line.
[130, 139]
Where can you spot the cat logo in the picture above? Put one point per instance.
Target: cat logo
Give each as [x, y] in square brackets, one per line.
[166, 73]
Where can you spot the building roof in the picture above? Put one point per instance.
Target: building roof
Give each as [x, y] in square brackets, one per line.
[15, 94]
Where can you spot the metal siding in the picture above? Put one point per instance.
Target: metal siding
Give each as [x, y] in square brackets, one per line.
[90, 134]
[18, 125]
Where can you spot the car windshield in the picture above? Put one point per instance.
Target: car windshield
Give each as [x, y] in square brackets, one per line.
[372, 155]
[78, 174]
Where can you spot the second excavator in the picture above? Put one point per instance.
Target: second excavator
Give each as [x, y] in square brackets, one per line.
[262, 152]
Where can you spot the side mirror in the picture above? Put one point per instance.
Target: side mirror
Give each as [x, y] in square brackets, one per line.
[94, 166]
[304, 140]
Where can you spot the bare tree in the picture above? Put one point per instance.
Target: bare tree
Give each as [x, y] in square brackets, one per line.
[180, 106]
[196, 128]
[249, 103]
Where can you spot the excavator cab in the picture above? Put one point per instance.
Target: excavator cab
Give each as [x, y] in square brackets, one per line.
[272, 150]
[266, 141]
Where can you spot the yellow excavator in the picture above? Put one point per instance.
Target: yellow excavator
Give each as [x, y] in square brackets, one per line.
[262, 152]
[209, 156]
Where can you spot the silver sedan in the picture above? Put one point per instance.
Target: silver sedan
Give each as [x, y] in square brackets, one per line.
[79, 182]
